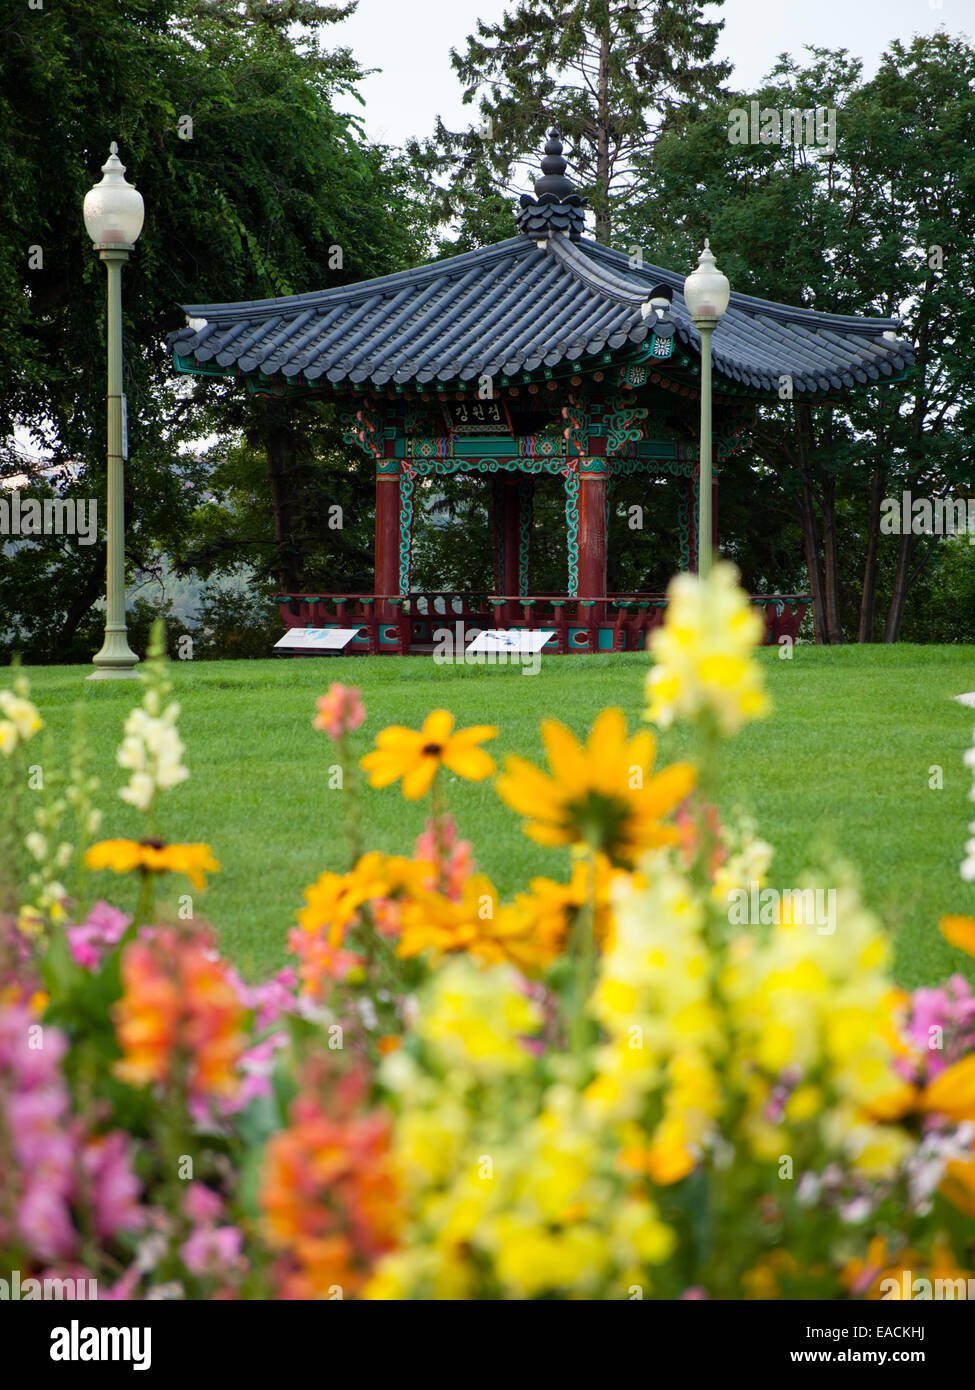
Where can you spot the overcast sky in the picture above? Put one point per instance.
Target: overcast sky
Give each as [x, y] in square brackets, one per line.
[410, 42]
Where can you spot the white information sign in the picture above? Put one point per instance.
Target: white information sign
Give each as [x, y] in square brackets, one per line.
[512, 640]
[322, 639]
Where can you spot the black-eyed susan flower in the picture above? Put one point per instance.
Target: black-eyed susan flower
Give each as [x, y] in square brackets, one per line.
[953, 1092]
[959, 931]
[555, 906]
[152, 856]
[333, 902]
[600, 795]
[479, 924]
[416, 756]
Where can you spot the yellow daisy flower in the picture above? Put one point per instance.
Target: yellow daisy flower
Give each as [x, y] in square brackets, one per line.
[960, 932]
[123, 856]
[416, 756]
[958, 1185]
[478, 924]
[953, 1092]
[553, 906]
[334, 899]
[601, 795]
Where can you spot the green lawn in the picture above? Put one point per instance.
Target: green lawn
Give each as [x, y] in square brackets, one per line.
[844, 761]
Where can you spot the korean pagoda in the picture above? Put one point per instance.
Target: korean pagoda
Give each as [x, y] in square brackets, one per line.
[547, 353]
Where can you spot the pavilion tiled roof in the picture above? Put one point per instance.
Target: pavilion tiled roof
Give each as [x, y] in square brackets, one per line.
[546, 297]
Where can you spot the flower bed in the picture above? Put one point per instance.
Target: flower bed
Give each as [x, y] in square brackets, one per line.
[614, 1087]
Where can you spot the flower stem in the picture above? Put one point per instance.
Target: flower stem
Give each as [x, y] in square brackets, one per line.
[145, 903]
[438, 804]
[584, 953]
[352, 818]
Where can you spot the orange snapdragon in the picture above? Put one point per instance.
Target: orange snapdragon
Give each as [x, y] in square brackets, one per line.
[178, 1000]
[331, 1203]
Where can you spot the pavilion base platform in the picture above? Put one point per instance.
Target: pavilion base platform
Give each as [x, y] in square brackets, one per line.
[423, 623]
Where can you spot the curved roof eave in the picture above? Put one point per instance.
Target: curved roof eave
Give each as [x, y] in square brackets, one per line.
[456, 318]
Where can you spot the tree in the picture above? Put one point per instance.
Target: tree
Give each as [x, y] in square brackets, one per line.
[851, 230]
[914, 205]
[605, 72]
[254, 186]
[315, 518]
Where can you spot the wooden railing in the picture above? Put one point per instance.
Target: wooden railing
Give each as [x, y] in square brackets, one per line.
[783, 614]
[316, 609]
[577, 621]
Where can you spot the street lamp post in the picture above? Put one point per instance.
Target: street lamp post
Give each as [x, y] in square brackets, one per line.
[113, 216]
[706, 294]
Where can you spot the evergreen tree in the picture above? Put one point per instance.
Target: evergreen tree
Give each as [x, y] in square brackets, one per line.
[605, 72]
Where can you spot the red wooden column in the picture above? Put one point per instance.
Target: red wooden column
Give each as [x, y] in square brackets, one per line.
[592, 532]
[510, 505]
[387, 535]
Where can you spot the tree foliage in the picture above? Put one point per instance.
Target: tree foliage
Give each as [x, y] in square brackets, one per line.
[882, 225]
[605, 72]
[227, 119]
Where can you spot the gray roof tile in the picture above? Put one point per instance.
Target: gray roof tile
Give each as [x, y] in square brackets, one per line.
[514, 306]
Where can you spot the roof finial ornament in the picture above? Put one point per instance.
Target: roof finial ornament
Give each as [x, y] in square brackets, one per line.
[554, 165]
[556, 207]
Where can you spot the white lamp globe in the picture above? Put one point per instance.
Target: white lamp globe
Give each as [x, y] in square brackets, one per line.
[114, 210]
[706, 290]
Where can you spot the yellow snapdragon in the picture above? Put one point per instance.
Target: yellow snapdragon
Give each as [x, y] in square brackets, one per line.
[748, 861]
[474, 1019]
[810, 1003]
[652, 995]
[703, 661]
[512, 1184]
[21, 720]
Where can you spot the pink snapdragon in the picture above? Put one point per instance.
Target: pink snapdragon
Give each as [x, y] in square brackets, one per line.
[202, 1204]
[340, 711]
[98, 934]
[44, 1219]
[113, 1187]
[270, 999]
[209, 1248]
[940, 1025]
[320, 961]
[50, 1164]
[36, 1113]
[452, 859]
[387, 914]
[213, 1250]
